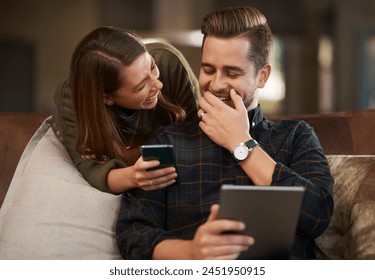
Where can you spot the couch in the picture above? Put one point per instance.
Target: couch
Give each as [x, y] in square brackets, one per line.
[48, 211]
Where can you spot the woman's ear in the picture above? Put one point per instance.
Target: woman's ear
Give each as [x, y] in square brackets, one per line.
[264, 74]
[107, 100]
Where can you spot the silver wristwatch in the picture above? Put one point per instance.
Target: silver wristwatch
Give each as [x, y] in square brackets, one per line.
[242, 150]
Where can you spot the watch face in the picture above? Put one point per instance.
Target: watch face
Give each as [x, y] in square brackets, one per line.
[241, 152]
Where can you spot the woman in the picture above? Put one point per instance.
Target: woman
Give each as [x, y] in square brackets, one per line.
[121, 93]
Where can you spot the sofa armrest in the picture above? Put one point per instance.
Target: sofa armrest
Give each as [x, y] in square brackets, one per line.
[351, 232]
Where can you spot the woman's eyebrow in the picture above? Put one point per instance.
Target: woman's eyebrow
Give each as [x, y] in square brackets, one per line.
[146, 78]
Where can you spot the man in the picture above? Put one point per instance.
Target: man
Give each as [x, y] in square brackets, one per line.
[232, 144]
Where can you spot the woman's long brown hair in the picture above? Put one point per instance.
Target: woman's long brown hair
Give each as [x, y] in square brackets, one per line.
[96, 68]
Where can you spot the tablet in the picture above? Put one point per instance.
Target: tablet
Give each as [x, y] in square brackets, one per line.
[270, 214]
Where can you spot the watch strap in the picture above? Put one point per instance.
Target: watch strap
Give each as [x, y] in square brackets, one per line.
[251, 144]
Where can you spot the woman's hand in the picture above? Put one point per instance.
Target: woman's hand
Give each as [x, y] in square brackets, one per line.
[152, 179]
[89, 155]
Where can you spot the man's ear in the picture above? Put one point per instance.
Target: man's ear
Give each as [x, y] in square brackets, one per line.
[264, 74]
[107, 100]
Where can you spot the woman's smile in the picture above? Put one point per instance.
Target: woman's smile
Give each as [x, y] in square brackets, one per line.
[152, 99]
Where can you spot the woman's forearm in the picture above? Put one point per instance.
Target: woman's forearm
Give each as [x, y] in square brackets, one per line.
[119, 179]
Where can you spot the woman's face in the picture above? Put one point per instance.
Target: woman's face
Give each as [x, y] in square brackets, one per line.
[140, 85]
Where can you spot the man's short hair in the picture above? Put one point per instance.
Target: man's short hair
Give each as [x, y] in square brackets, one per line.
[242, 21]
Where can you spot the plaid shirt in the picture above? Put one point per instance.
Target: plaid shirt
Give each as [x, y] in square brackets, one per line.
[175, 212]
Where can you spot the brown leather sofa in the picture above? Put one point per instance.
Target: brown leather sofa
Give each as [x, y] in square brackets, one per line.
[348, 139]
[16, 130]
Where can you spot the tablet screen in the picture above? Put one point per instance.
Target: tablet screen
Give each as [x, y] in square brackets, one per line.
[270, 214]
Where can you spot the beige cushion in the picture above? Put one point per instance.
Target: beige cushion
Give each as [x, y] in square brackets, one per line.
[351, 233]
[50, 211]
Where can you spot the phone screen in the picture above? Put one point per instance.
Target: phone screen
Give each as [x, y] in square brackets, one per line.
[163, 153]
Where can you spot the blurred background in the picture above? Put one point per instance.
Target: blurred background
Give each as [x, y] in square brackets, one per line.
[323, 58]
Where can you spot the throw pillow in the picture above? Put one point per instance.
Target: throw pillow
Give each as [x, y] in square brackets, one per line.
[51, 212]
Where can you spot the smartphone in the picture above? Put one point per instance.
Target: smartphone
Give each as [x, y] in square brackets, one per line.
[163, 153]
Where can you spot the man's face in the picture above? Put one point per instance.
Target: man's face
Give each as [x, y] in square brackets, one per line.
[225, 66]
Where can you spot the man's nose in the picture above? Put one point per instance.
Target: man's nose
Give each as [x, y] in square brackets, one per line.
[218, 84]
